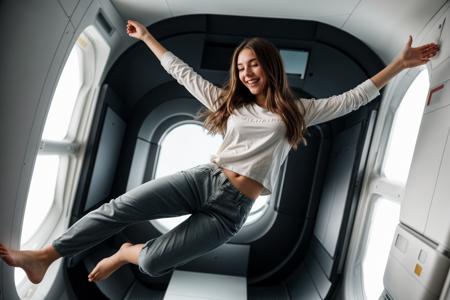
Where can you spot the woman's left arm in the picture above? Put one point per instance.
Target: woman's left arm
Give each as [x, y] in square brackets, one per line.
[322, 110]
[408, 58]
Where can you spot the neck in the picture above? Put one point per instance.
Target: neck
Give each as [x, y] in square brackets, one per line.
[261, 100]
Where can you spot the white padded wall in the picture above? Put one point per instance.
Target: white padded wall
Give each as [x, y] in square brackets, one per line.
[425, 170]
[426, 203]
[437, 226]
[419, 261]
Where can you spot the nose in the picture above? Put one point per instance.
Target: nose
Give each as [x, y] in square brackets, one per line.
[248, 71]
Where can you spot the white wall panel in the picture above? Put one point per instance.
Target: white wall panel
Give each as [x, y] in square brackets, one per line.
[424, 170]
[439, 32]
[384, 25]
[438, 223]
[426, 204]
[33, 32]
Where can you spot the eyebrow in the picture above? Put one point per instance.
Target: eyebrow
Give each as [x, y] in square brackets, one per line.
[240, 63]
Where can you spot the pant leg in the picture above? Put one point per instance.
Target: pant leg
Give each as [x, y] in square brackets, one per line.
[217, 221]
[168, 196]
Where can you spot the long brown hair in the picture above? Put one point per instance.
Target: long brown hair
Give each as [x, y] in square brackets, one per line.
[280, 98]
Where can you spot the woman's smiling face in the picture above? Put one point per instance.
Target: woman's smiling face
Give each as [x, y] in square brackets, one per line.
[251, 72]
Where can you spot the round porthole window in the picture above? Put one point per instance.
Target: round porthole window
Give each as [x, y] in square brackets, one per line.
[185, 146]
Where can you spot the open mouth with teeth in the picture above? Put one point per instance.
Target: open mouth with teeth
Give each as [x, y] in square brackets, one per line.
[252, 82]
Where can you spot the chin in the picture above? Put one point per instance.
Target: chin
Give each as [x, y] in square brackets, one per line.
[255, 92]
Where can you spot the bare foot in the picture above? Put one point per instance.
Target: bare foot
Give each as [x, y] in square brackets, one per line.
[108, 265]
[34, 263]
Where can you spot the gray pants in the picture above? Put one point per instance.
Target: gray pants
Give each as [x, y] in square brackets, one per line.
[218, 212]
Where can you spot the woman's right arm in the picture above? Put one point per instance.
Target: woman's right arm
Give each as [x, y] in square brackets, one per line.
[203, 90]
[140, 32]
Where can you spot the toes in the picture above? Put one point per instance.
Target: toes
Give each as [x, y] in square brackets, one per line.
[94, 274]
[91, 277]
[94, 277]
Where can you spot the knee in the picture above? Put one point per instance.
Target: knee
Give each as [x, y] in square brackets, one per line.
[150, 266]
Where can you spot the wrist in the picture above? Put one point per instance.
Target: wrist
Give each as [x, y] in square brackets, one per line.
[146, 37]
[398, 64]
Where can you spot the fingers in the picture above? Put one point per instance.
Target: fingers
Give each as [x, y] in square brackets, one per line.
[92, 276]
[135, 24]
[136, 29]
[132, 22]
[131, 26]
[429, 51]
[429, 55]
[131, 29]
[428, 46]
[423, 47]
[409, 43]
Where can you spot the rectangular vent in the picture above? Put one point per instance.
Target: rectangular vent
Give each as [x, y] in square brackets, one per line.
[295, 61]
[104, 24]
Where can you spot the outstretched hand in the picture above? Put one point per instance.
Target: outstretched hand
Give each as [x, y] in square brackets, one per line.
[412, 57]
[408, 58]
[136, 29]
[139, 31]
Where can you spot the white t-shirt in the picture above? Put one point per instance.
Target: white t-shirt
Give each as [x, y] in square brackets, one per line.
[255, 143]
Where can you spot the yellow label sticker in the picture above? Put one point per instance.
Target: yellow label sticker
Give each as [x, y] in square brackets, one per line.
[418, 270]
